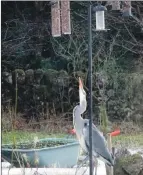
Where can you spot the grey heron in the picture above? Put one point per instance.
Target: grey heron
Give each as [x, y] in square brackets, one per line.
[81, 127]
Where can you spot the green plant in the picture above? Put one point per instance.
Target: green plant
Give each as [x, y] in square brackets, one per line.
[128, 140]
[27, 136]
[103, 118]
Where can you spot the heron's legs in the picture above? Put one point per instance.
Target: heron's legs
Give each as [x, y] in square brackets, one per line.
[95, 165]
[84, 161]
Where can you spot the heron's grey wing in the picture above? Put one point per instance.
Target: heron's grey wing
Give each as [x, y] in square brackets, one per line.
[98, 143]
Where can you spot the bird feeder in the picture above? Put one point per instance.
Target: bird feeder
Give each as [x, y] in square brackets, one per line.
[60, 15]
[126, 9]
[100, 18]
[56, 20]
[65, 17]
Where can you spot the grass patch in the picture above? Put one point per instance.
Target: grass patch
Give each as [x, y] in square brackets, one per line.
[24, 136]
[123, 140]
[128, 141]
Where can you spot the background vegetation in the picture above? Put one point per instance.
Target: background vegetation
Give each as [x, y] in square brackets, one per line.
[45, 70]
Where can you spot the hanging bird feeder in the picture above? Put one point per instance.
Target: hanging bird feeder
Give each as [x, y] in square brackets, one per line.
[60, 18]
[56, 20]
[65, 17]
[126, 9]
[100, 18]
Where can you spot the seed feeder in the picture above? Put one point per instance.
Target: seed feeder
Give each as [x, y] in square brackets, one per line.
[56, 20]
[60, 14]
[126, 9]
[100, 18]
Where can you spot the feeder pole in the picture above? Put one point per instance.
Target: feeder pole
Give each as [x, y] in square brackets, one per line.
[90, 83]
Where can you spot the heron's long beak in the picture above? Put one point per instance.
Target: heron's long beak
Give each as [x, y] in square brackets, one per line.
[82, 97]
[81, 90]
[80, 84]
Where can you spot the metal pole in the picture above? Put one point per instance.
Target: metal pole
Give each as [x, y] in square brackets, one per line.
[90, 83]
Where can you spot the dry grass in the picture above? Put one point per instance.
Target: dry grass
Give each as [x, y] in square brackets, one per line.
[130, 128]
[131, 134]
[54, 127]
[128, 141]
[55, 124]
[7, 119]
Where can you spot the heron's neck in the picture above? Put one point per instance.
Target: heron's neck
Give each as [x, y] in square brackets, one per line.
[83, 106]
[77, 119]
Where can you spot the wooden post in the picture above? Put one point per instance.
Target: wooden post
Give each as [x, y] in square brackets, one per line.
[109, 170]
[56, 22]
[65, 17]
